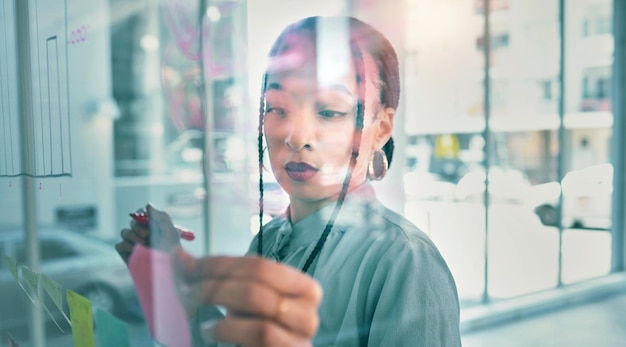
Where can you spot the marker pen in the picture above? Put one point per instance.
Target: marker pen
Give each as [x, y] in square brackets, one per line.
[143, 219]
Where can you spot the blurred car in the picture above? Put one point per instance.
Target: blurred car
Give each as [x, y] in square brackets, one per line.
[587, 195]
[83, 264]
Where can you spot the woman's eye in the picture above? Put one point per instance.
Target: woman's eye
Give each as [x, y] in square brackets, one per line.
[331, 113]
[276, 110]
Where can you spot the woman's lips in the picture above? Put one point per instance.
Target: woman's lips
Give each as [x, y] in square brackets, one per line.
[300, 171]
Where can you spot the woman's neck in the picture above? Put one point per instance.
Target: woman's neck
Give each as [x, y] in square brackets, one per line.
[300, 209]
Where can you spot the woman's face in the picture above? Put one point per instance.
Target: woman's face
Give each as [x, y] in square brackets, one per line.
[310, 119]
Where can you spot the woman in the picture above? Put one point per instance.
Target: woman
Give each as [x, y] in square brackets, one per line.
[326, 115]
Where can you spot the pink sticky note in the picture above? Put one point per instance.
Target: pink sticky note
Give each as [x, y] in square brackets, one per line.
[152, 274]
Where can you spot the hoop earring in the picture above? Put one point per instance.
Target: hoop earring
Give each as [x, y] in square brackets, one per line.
[377, 166]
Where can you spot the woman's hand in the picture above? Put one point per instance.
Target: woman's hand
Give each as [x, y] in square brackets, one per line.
[267, 303]
[159, 234]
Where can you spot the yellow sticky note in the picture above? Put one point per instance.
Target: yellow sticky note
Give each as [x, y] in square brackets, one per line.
[12, 265]
[53, 289]
[82, 319]
[32, 280]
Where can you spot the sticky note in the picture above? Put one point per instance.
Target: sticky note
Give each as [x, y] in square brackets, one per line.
[31, 279]
[53, 289]
[12, 265]
[82, 321]
[153, 277]
[111, 331]
[55, 292]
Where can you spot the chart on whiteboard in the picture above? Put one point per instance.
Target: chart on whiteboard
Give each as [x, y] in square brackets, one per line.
[49, 153]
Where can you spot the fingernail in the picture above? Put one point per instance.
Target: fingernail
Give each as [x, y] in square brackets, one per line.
[207, 331]
[140, 218]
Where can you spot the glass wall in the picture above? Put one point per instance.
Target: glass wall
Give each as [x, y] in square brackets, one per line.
[503, 151]
[588, 127]
[505, 127]
[445, 122]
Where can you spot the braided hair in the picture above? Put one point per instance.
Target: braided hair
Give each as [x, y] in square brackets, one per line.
[363, 39]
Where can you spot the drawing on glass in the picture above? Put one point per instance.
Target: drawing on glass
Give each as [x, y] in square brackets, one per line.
[49, 154]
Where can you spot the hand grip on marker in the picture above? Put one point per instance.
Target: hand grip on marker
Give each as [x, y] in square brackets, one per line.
[143, 219]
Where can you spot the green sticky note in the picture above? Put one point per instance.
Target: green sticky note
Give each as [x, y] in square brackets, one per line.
[53, 289]
[110, 330]
[82, 321]
[12, 265]
[32, 280]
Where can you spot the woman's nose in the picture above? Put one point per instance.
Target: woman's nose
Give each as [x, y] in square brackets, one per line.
[302, 132]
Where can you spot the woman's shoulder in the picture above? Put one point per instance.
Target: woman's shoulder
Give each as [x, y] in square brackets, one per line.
[401, 244]
[394, 227]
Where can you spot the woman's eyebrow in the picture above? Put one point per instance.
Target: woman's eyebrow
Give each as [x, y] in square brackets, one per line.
[325, 88]
[336, 87]
[274, 86]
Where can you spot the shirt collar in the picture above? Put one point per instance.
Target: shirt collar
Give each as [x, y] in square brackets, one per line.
[353, 209]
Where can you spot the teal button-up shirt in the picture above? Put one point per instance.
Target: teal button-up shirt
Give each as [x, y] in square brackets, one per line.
[385, 283]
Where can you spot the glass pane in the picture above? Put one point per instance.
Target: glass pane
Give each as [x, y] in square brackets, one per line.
[445, 180]
[445, 118]
[523, 147]
[120, 93]
[588, 181]
[523, 253]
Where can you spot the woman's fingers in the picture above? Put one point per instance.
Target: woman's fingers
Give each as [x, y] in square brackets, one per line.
[159, 233]
[254, 299]
[281, 278]
[137, 234]
[255, 288]
[252, 332]
[130, 237]
[163, 232]
[124, 249]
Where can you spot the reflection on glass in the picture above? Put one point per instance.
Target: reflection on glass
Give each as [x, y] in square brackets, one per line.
[445, 179]
[523, 254]
[444, 120]
[523, 148]
[588, 181]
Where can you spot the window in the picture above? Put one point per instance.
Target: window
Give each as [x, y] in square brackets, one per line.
[546, 87]
[50, 250]
[56, 250]
[497, 41]
[596, 89]
[598, 20]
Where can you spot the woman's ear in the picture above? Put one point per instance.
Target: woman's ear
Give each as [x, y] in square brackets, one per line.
[385, 126]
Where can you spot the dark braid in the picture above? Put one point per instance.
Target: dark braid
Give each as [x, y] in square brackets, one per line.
[387, 65]
[356, 144]
[259, 247]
